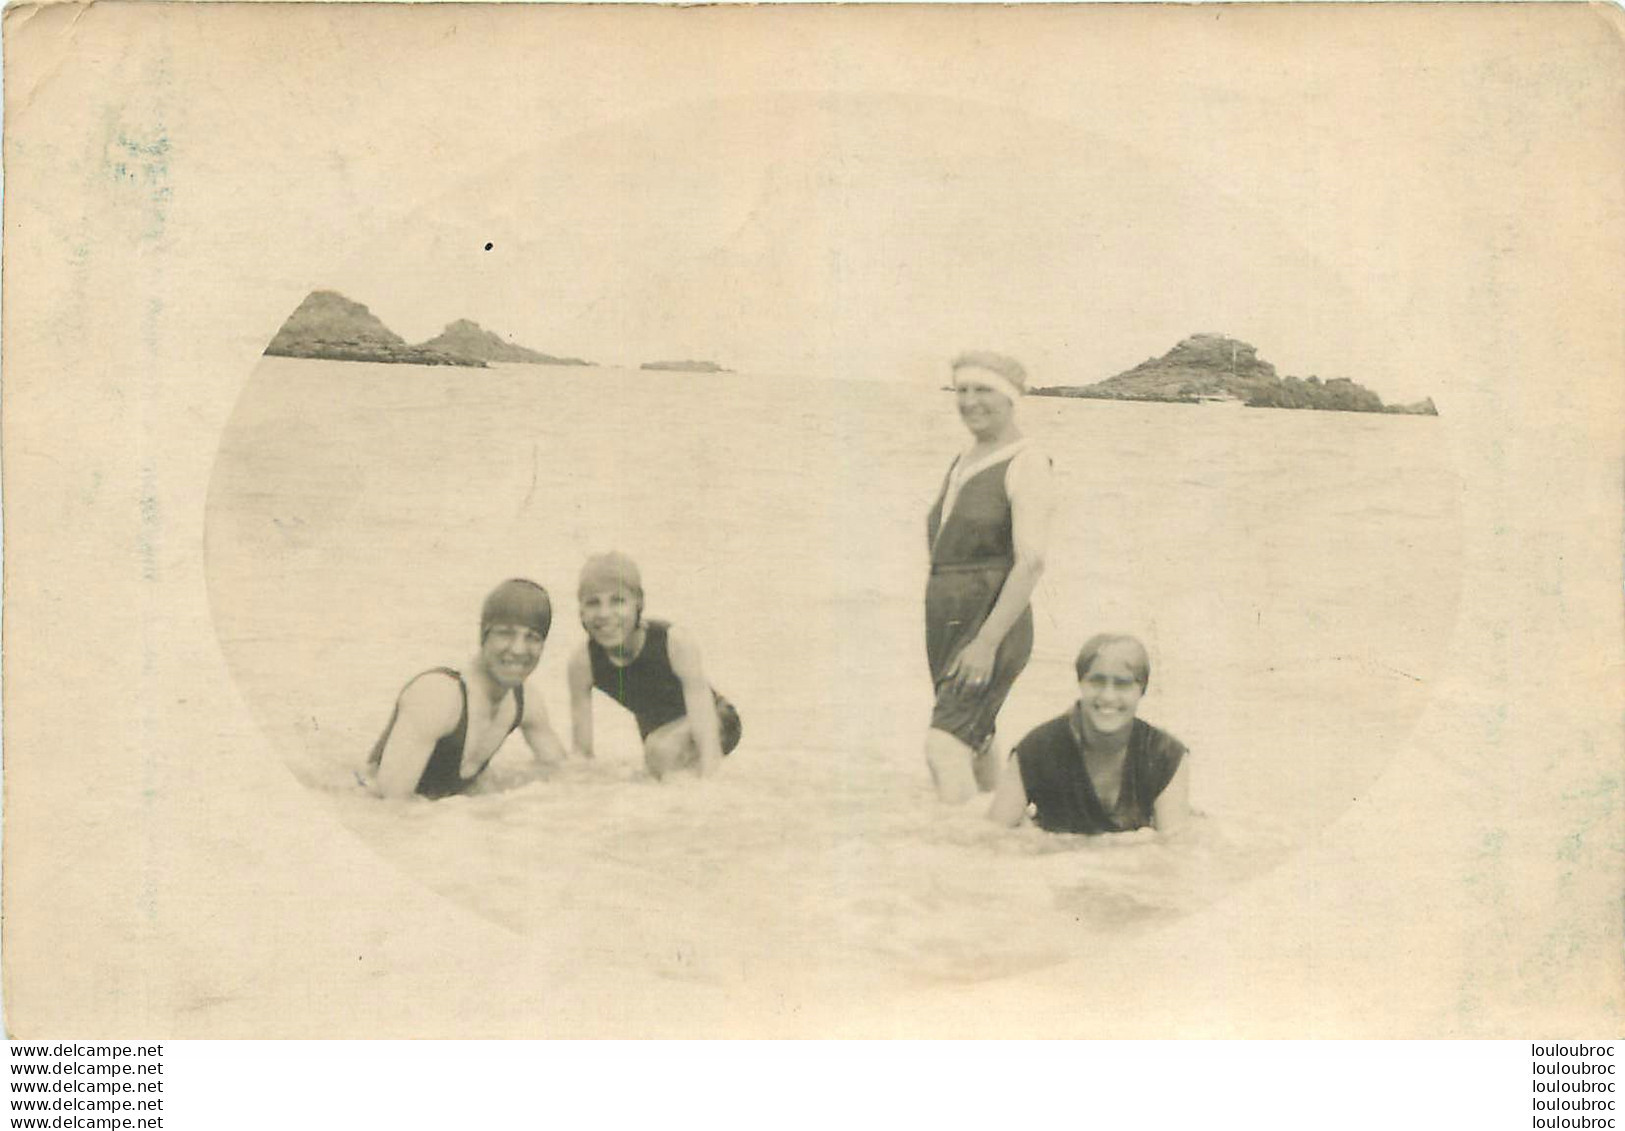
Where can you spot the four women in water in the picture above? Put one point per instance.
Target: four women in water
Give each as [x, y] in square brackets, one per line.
[1098, 768]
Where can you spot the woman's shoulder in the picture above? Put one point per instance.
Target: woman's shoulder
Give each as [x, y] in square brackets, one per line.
[665, 641]
[435, 697]
[1044, 753]
[581, 659]
[1159, 742]
[1047, 734]
[437, 682]
[1031, 457]
[1030, 470]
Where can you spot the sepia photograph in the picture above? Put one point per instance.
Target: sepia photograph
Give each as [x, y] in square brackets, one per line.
[813, 521]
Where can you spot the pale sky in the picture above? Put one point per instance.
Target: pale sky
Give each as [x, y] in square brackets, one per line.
[873, 235]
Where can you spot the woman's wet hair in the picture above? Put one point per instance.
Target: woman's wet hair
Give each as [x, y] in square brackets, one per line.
[611, 570]
[1092, 648]
[517, 601]
[1002, 364]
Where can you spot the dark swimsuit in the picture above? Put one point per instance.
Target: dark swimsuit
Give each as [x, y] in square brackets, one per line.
[442, 775]
[650, 689]
[1058, 786]
[971, 556]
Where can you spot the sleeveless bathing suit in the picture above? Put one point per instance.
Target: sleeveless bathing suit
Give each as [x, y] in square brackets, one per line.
[1058, 786]
[650, 689]
[972, 553]
[442, 774]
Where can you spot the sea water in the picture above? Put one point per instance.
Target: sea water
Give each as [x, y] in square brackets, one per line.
[1294, 574]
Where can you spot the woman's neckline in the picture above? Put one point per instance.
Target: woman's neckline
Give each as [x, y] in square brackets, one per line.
[642, 632]
[1117, 758]
[969, 462]
[1080, 732]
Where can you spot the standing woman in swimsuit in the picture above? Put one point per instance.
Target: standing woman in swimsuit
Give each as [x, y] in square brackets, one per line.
[987, 534]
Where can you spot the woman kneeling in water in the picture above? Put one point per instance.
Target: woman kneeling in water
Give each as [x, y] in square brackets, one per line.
[651, 668]
[1098, 768]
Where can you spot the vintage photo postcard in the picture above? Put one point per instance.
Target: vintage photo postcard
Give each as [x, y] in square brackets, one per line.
[1047, 521]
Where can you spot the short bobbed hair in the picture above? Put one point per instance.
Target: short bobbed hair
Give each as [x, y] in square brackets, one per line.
[1140, 664]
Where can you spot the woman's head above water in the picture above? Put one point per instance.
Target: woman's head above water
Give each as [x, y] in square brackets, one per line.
[1131, 646]
[1113, 673]
[611, 599]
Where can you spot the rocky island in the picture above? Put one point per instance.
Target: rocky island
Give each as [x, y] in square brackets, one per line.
[1211, 368]
[329, 326]
[468, 339]
[685, 367]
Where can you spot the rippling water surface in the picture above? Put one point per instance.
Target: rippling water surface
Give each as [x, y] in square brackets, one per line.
[1294, 573]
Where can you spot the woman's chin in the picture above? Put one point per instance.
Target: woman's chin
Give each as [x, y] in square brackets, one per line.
[512, 676]
[1108, 725]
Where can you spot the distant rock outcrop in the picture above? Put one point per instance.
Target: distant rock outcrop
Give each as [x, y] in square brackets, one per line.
[469, 339]
[1214, 368]
[685, 366]
[1423, 407]
[328, 325]
[1338, 394]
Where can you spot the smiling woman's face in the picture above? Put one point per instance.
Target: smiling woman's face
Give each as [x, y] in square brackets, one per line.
[610, 615]
[983, 407]
[510, 652]
[1110, 690]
